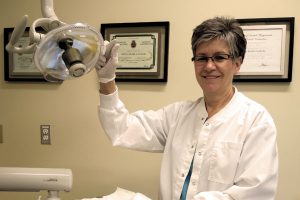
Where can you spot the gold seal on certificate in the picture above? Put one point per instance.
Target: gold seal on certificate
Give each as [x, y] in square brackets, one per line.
[137, 52]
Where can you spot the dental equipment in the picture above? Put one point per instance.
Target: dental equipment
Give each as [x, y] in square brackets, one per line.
[61, 51]
[21, 179]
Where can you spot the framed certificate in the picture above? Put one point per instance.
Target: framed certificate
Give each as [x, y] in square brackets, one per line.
[269, 54]
[143, 52]
[20, 67]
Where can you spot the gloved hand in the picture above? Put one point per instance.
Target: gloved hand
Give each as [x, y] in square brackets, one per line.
[108, 61]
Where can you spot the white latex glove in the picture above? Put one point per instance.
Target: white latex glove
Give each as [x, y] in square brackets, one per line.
[108, 61]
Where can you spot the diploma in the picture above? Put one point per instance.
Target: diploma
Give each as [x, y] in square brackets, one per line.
[265, 50]
[137, 52]
[23, 63]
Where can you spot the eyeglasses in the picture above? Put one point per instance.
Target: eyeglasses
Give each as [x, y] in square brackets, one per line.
[217, 58]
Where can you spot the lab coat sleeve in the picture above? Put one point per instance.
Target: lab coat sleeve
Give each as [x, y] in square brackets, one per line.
[257, 172]
[144, 131]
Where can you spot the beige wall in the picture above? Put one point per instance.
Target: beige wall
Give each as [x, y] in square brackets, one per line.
[78, 141]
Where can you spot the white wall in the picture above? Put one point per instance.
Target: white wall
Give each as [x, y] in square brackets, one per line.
[78, 141]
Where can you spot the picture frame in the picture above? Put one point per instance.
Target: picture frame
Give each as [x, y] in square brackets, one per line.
[20, 67]
[143, 51]
[269, 54]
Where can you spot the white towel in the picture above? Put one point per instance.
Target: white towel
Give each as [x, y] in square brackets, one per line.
[121, 194]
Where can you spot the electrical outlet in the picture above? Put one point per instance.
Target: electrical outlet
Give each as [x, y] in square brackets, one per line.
[45, 134]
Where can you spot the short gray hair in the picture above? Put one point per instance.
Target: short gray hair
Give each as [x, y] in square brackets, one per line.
[227, 29]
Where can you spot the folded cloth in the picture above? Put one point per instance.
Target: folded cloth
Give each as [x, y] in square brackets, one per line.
[122, 194]
[139, 196]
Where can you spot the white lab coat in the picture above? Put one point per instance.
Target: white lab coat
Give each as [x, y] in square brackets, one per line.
[235, 151]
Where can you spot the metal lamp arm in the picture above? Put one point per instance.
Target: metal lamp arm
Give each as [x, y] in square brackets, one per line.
[47, 9]
[48, 23]
[16, 35]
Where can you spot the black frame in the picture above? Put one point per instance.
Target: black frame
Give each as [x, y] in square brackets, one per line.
[140, 29]
[9, 65]
[289, 46]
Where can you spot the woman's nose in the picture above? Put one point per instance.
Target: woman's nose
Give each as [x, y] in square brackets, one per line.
[210, 64]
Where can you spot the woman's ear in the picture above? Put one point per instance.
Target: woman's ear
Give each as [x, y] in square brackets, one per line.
[238, 62]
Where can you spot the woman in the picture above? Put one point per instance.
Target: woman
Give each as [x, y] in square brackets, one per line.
[221, 146]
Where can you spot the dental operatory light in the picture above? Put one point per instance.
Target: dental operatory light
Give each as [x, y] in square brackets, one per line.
[20, 179]
[61, 51]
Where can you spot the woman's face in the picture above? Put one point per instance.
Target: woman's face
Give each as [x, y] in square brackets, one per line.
[215, 75]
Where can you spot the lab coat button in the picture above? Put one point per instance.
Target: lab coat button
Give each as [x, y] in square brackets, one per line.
[199, 153]
[182, 175]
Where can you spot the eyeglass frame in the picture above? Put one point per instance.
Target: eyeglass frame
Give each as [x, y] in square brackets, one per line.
[213, 58]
